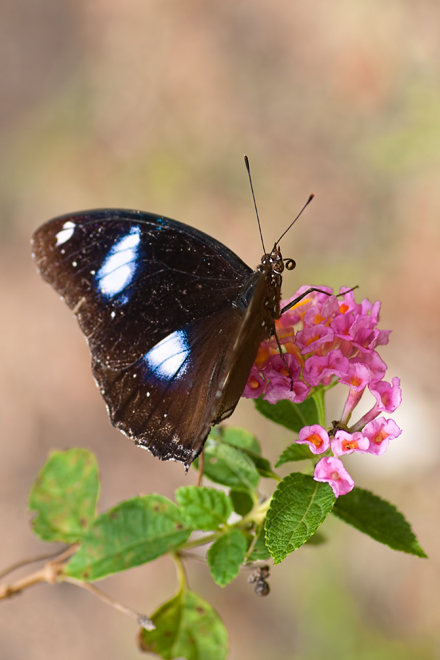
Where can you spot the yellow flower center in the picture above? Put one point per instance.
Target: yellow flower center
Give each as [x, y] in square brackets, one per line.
[380, 437]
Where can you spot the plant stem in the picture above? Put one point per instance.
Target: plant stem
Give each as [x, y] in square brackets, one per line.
[320, 405]
[143, 620]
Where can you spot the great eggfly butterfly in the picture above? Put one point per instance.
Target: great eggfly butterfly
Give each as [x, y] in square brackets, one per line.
[173, 319]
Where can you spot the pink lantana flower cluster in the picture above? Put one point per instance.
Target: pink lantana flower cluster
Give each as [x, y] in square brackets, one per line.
[327, 339]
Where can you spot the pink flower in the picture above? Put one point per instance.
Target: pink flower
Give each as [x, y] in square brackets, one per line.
[333, 472]
[379, 432]
[324, 340]
[388, 397]
[358, 376]
[316, 437]
[374, 362]
[283, 383]
[346, 443]
[319, 370]
[312, 338]
[278, 391]
[255, 385]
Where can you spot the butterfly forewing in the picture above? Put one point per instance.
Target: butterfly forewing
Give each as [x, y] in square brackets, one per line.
[163, 307]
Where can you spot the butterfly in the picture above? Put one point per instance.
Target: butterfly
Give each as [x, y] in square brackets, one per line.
[173, 319]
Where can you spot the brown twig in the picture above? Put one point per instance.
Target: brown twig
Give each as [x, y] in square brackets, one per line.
[201, 467]
[25, 562]
[52, 572]
[141, 619]
[48, 573]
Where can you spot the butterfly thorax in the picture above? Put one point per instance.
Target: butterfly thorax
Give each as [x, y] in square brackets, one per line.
[272, 265]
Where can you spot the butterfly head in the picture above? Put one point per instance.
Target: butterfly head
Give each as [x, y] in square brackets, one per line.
[273, 261]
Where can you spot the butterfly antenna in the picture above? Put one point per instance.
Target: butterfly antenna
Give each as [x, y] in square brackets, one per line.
[246, 162]
[300, 213]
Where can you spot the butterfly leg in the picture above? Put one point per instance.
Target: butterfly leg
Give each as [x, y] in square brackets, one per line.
[283, 358]
[306, 293]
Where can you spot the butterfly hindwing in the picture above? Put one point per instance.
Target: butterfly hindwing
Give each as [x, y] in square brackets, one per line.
[166, 401]
[161, 305]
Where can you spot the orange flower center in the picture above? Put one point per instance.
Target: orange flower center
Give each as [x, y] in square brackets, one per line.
[350, 444]
[316, 439]
[312, 339]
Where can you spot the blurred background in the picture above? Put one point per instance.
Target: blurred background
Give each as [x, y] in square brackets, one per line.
[151, 105]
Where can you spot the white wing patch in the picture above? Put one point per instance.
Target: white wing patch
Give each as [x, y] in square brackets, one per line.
[66, 232]
[119, 266]
[168, 356]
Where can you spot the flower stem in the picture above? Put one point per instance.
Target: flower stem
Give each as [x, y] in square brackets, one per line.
[320, 405]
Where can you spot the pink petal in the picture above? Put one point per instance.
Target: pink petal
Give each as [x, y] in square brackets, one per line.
[332, 471]
[379, 432]
[316, 437]
[346, 443]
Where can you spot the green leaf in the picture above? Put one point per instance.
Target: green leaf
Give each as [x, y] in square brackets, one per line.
[186, 627]
[318, 538]
[225, 556]
[65, 495]
[229, 466]
[241, 501]
[204, 508]
[240, 438]
[263, 466]
[291, 415]
[259, 551]
[299, 506]
[133, 533]
[248, 443]
[294, 452]
[379, 519]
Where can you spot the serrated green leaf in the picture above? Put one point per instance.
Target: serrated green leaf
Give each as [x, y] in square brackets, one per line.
[133, 533]
[229, 466]
[225, 557]
[65, 495]
[241, 438]
[186, 627]
[379, 519]
[299, 506]
[294, 452]
[260, 551]
[291, 415]
[241, 501]
[204, 508]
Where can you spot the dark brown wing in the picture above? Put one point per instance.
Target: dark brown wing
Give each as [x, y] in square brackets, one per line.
[170, 315]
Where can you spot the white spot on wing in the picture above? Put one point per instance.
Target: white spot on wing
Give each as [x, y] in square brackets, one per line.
[66, 232]
[168, 356]
[119, 266]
